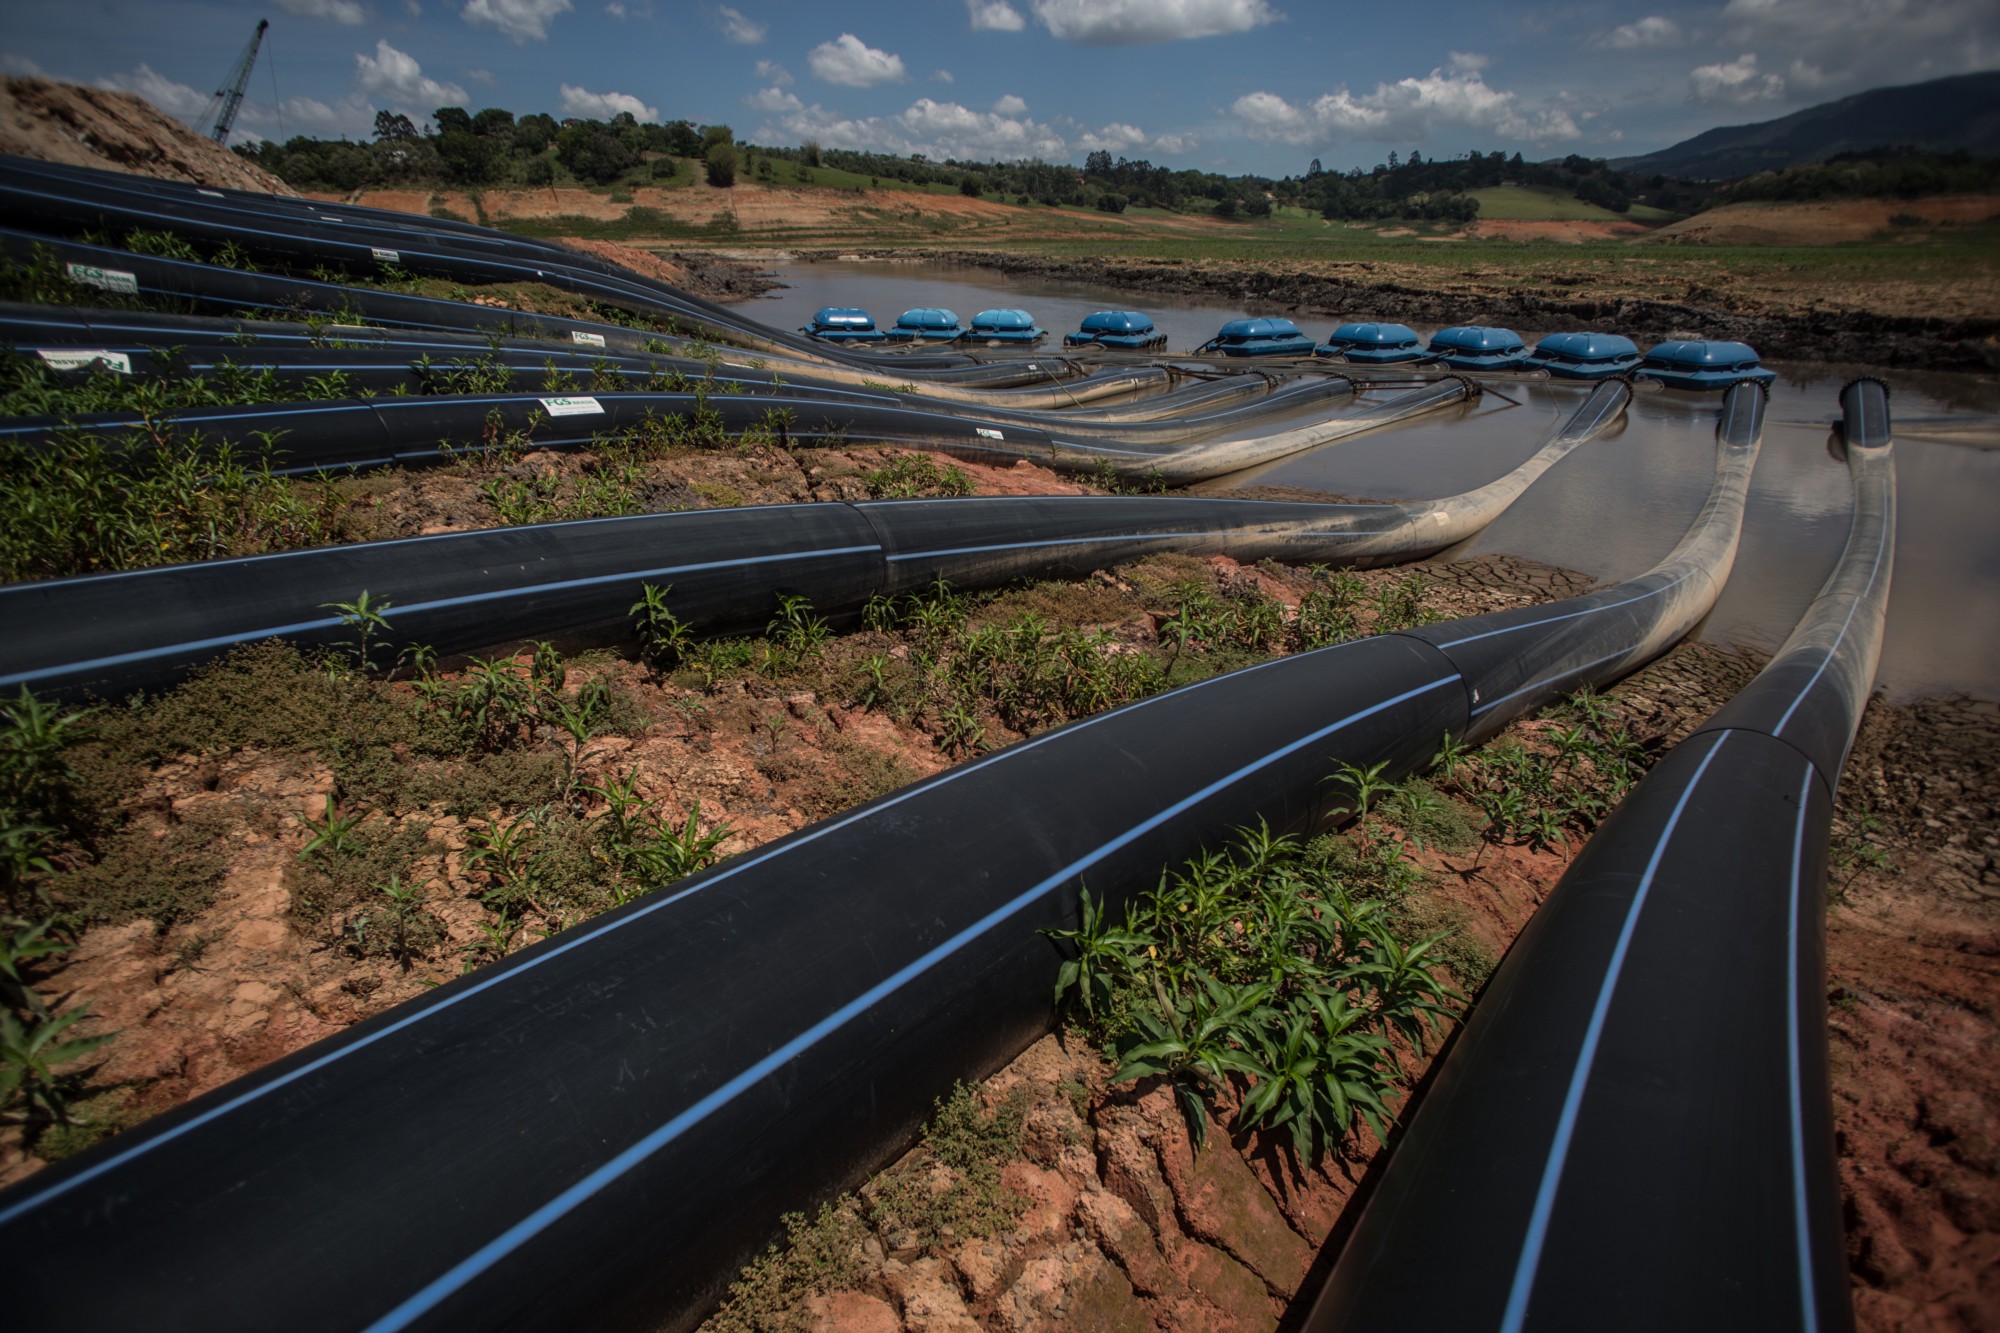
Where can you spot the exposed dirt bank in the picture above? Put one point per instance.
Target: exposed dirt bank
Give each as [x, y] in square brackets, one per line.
[93, 127]
[1778, 325]
[707, 275]
[1830, 222]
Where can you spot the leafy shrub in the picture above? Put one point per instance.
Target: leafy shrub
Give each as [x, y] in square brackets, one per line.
[1256, 969]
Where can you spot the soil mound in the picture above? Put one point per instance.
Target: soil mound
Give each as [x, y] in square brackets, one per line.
[1833, 222]
[93, 127]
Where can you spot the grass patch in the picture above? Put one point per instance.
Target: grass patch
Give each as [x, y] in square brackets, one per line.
[819, 1255]
[949, 1188]
[141, 874]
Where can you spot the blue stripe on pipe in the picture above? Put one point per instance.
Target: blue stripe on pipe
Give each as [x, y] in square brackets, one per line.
[1122, 537]
[1881, 549]
[1572, 615]
[1545, 1193]
[1808, 1299]
[581, 935]
[467, 599]
[555, 1209]
[1549, 680]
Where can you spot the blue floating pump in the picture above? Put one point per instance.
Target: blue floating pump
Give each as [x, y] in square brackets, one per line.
[1704, 365]
[1266, 336]
[1373, 344]
[1006, 326]
[926, 324]
[1478, 347]
[1124, 329]
[1585, 356]
[843, 324]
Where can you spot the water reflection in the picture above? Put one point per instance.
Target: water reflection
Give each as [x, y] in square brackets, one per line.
[1614, 507]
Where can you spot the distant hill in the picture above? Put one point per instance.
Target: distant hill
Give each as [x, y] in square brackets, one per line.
[1942, 115]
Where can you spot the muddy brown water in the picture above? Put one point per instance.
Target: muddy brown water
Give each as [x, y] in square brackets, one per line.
[1614, 507]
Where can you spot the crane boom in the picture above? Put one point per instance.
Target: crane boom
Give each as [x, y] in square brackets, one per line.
[229, 97]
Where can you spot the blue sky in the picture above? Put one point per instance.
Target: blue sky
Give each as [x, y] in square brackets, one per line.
[1224, 85]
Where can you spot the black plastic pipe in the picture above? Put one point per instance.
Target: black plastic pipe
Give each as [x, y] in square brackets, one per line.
[261, 294]
[419, 363]
[600, 1128]
[1634, 1129]
[464, 592]
[372, 432]
[31, 198]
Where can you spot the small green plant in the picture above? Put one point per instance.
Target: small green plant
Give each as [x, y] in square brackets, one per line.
[396, 923]
[663, 638]
[33, 1041]
[366, 617]
[795, 638]
[332, 833]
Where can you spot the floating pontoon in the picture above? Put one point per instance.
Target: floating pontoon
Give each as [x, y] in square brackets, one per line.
[1373, 344]
[1127, 330]
[1704, 365]
[1585, 356]
[1258, 337]
[1005, 326]
[842, 324]
[926, 324]
[1478, 347]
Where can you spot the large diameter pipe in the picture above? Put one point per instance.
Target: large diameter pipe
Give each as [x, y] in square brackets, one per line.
[619, 1114]
[181, 280]
[1658, 607]
[464, 592]
[30, 198]
[1633, 1130]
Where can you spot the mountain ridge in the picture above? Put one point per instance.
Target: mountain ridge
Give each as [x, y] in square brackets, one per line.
[1938, 115]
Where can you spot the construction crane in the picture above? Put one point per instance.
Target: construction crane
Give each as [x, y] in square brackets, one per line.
[217, 121]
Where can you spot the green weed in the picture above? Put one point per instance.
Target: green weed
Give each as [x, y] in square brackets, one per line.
[911, 475]
[1257, 969]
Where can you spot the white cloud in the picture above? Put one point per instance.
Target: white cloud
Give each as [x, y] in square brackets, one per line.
[775, 100]
[1126, 140]
[416, 11]
[520, 21]
[994, 16]
[1734, 83]
[616, 10]
[852, 63]
[351, 115]
[1010, 105]
[176, 99]
[738, 27]
[18, 64]
[1403, 112]
[1850, 45]
[942, 76]
[1649, 31]
[339, 11]
[936, 129]
[772, 72]
[393, 77]
[603, 106]
[1126, 22]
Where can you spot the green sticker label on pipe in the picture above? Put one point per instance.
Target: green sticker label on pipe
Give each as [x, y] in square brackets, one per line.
[106, 279]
